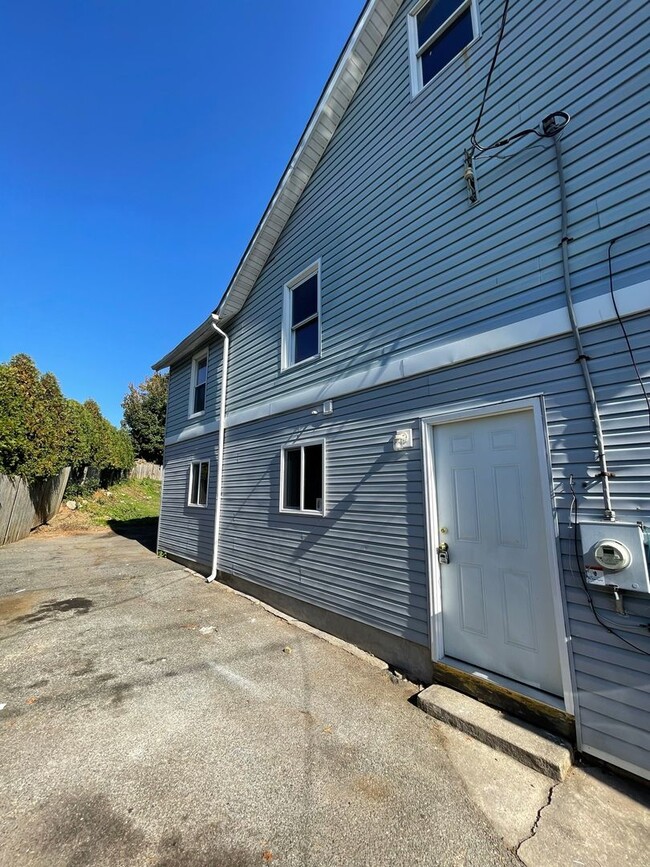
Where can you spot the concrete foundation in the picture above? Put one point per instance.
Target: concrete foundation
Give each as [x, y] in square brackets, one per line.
[412, 659]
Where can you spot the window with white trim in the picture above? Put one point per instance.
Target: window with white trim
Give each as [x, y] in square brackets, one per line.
[302, 485]
[438, 32]
[301, 326]
[199, 383]
[198, 487]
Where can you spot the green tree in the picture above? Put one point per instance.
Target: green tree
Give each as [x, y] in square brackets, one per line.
[33, 419]
[41, 431]
[145, 409]
[79, 443]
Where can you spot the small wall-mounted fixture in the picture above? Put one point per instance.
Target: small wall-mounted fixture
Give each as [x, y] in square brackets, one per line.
[327, 409]
[403, 439]
[469, 174]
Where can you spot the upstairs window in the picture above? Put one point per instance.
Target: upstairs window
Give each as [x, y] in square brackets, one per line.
[199, 475]
[303, 478]
[301, 331]
[199, 384]
[438, 32]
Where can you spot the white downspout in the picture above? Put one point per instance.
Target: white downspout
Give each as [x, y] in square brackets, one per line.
[222, 433]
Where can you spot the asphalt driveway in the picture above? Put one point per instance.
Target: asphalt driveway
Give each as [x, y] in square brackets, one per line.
[150, 718]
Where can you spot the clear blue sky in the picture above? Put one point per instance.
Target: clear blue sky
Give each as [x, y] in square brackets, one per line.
[141, 141]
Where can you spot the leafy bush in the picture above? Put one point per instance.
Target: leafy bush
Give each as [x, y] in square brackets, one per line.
[145, 408]
[41, 431]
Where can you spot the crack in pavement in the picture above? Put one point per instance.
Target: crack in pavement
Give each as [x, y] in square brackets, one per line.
[538, 818]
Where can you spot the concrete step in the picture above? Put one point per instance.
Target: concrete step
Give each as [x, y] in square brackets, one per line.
[544, 752]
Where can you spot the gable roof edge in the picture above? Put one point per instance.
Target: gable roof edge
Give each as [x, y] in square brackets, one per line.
[367, 35]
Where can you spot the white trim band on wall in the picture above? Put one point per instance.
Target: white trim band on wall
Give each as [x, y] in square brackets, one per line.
[631, 300]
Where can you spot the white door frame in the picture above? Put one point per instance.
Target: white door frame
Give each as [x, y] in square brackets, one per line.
[452, 414]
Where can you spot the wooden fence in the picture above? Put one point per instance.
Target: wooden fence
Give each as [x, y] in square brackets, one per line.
[24, 506]
[146, 470]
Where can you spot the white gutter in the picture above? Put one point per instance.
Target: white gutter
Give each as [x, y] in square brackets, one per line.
[186, 346]
[222, 433]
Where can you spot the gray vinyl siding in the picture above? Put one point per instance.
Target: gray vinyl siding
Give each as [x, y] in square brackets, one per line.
[406, 262]
[180, 378]
[366, 558]
[187, 531]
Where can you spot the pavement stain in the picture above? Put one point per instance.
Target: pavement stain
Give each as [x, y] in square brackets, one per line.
[374, 788]
[49, 609]
[88, 830]
[19, 604]
[120, 692]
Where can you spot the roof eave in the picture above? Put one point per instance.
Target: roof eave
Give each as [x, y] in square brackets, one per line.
[192, 342]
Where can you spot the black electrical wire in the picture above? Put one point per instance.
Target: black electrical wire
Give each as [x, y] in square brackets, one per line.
[502, 28]
[510, 137]
[574, 510]
[620, 321]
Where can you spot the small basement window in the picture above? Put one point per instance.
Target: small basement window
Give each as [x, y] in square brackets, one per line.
[199, 475]
[301, 326]
[199, 384]
[438, 32]
[303, 478]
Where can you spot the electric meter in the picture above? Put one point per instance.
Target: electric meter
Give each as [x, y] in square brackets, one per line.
[612, 555]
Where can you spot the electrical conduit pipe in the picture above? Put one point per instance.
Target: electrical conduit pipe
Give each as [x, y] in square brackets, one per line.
[604, 474]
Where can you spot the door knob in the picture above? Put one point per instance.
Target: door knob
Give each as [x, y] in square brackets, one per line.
[443, 553]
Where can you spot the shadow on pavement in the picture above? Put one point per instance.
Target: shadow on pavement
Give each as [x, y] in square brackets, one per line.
[142, 530]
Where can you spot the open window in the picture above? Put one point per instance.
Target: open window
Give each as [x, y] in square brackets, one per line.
[198, 483]
[438, 31]
[301, 320]
[302, 478]
[199, 384]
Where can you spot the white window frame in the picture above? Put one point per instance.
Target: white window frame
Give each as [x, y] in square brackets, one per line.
[190, 479]
[302, 444]
[288, 343]
[199, 356]
[416, 50]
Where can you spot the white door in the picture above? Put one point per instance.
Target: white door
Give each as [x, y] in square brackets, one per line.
[497, 607]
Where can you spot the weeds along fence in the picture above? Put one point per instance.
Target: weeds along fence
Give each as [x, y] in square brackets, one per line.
[24, 506]
[146, 470]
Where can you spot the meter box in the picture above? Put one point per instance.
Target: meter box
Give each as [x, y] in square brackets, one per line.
[615, 555]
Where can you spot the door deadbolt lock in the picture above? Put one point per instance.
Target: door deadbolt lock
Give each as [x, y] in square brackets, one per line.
[443, 553]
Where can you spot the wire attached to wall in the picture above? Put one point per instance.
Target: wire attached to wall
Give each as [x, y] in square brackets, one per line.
[502, 28]
[574, 511]
[512, 136]
[620, 320]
